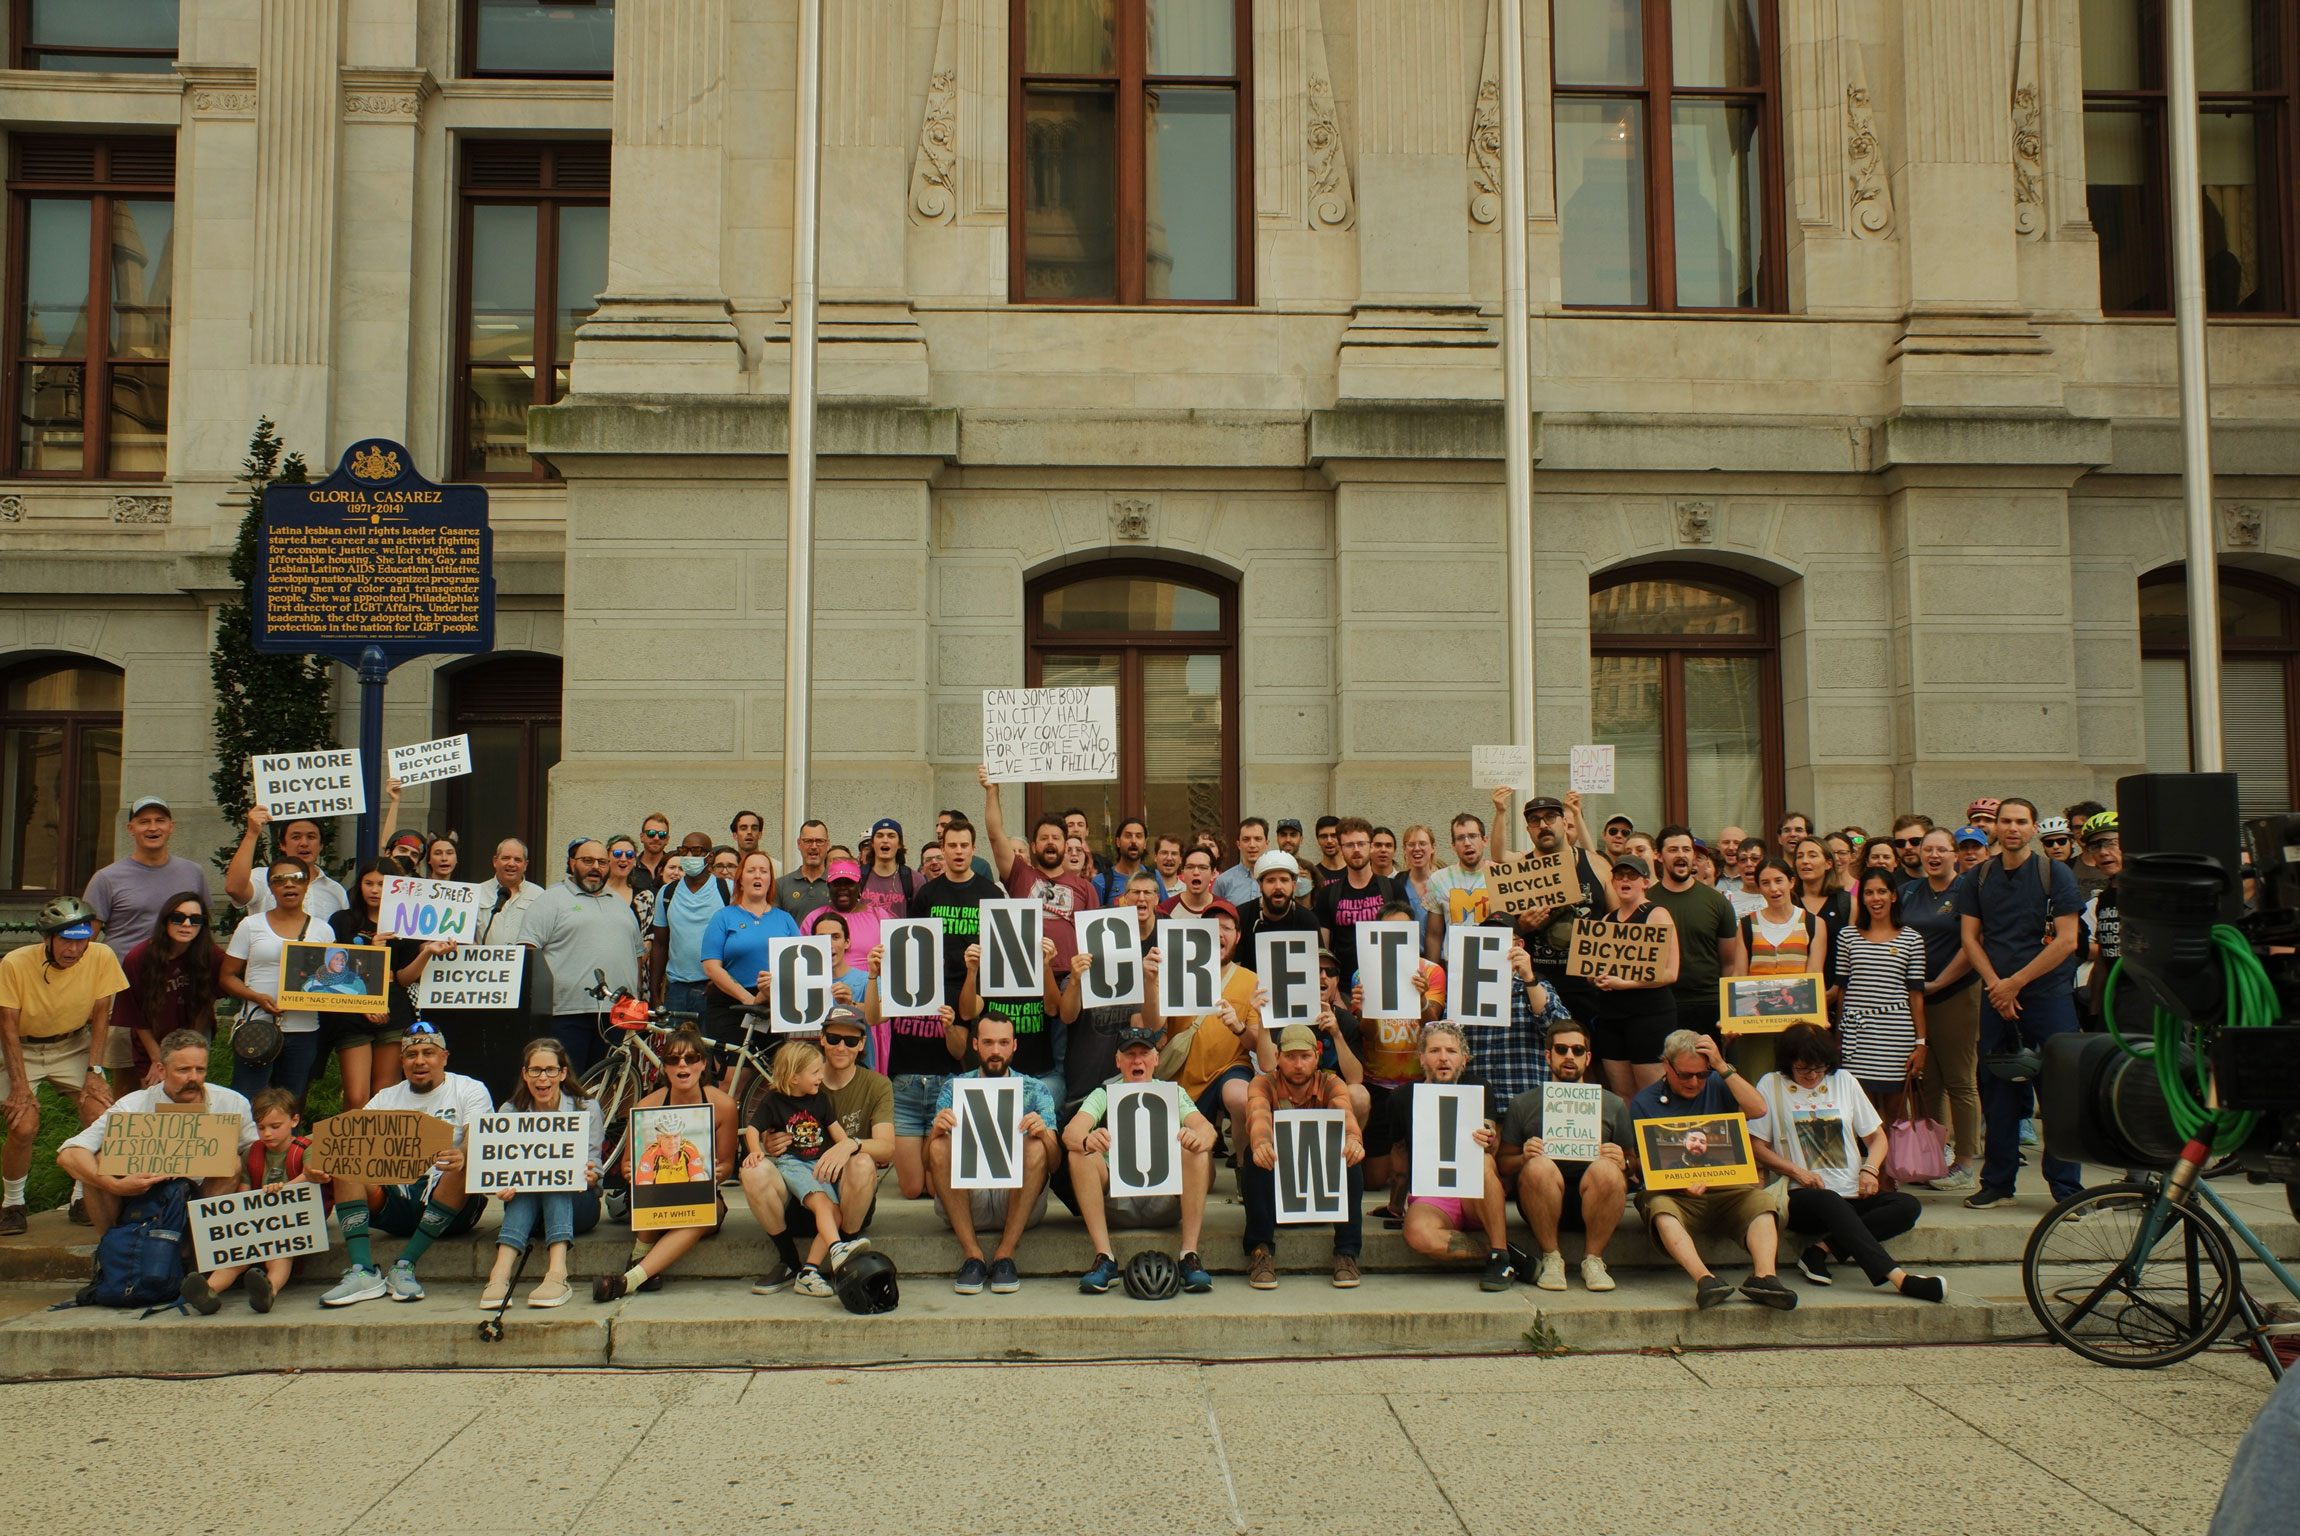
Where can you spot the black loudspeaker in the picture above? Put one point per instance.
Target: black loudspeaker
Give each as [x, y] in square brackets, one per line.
[2191, 813]
[485, 1043]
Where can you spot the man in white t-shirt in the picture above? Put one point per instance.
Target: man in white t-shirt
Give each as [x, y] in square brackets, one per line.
[183, 1080]
[422, 1212]
[300, 839]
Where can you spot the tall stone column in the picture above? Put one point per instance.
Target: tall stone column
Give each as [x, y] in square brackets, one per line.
[664, 324]
[298, 140]
[870, 344]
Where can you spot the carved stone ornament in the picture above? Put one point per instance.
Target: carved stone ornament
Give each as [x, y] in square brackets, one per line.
[2027, 132]
[2244, 526]
[1865, 160]
[1696, 522]
[1333, 203]
[1130, 520]
[11, 509]
[142, 509]
[381, 104]
[1485, 156]
[210, 103]
[933, 176]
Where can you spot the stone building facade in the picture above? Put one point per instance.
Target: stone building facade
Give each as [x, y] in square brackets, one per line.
[1160, 345]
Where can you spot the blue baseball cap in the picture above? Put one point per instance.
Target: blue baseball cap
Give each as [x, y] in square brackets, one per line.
[1972, 835]
[886, 824]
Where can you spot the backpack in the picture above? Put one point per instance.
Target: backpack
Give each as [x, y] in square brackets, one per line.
[2043, 865]
[140, 1261]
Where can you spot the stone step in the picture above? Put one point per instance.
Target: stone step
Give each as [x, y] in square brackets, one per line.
[711, 1323]
[911, 1233]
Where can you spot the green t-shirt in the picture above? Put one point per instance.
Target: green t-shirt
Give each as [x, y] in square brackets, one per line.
[866, 1100]
[1704, 916]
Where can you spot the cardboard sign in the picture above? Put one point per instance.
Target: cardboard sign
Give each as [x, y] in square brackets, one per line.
[1592, 770]
[309, 783]
[447, 758]
[1287, 965]
[334, 978]
[530, 1153]
[1529, 884]
[1448, 1164]
[1189, 966]
[799, 983]
[1113, 936]
[986, 1144]
[671, 1172]
[1012, 965]
[181, 1142]
[1313, 1177]
[1477, 976]
[475, 976]
[1572, 1121]
[1711, 1150]
[1764, 1005]
[1050, 735]
[1145, 1157]
[417, 908]
[252, 1227]
[910, 972]
[379, 1146]
[1388, 953]
[1492, 767]
[1631, 951]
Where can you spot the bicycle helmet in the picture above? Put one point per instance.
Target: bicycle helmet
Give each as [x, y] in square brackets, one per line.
[65, 912]
[866, 1284]
[1153, 1276]
[2101, 824]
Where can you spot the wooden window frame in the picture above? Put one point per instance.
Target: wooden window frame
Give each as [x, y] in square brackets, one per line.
[2148, 103]
[1133, 793]
[1131, 85]
[1654, 98]
[1765, 646]
[467, 53]
[26, 54]
[513, 709]
[546, 199]
[75, 724]
[96, 379]
[2286, 648]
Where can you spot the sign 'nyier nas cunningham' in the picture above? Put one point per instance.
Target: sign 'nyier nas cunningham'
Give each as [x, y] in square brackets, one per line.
[375, 555]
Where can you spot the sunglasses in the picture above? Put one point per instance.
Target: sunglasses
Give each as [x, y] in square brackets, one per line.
[682, 1061]
[1909, 842]
[624, 854]
[650, 832]
[1569, 1050]
[195, 919]
[426, 1030]
[2056, 842]
[851, 1042]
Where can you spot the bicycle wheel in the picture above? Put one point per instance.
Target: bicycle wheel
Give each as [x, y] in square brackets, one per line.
[615, 1087]
[755, 1093]
[2094, 1290]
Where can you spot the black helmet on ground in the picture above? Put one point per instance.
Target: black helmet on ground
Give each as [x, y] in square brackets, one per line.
[1153, 1276]
[866, 1284]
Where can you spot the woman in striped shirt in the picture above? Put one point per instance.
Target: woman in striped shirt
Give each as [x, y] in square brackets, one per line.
[1878, 967]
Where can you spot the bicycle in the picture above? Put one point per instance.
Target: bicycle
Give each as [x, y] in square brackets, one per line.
[631, 1069]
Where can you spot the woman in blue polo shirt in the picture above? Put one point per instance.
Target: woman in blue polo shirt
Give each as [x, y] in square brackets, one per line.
[736, 942]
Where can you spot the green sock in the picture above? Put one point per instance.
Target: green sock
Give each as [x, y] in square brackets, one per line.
[353, 1215]
[436, 1218]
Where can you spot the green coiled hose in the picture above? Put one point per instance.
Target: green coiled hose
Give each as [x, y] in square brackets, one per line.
[2251, 1003]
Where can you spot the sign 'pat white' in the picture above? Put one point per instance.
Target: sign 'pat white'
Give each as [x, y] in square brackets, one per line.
[309, 783]
[1050, 735]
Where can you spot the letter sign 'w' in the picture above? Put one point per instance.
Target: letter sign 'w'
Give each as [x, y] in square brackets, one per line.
[1313, 1182]
[1145, 1159]
[986, 1144]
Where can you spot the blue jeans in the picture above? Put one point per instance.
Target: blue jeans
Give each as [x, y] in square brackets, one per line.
[564, 1213]
[915, 1097]
[684, 996]
[2004, 1105]
[1260, 1187]
[579, 1033]
[293, 1068]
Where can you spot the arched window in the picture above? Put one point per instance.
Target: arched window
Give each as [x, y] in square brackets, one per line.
[510, 706]
[1166, 638]
[59, 772]
[2259, 646]
[1685, 683]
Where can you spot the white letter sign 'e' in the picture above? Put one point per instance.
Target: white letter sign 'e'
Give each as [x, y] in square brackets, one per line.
[1289, 970]
[1387, 954]
[1477, 975]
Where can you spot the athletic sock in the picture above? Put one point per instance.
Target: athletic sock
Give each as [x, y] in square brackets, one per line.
[15, 1191]
[1924, 1287]
[353, 1215]
[436, 1218]
[786, 1248]
[634, 1277]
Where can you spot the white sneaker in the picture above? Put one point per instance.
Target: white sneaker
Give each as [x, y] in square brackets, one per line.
[1957, 1181]
[1551, 1275]
[1594, 1274]
[812, 1283]
[843, 1251]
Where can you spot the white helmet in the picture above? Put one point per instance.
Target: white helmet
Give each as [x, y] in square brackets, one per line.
[1276, 858]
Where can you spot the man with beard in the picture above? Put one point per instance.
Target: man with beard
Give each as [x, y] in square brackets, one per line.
[1548, 933]
[1276, 911]
[183, 1082]
[1132, 839]
[1297, 1083]
[1353, 895]
[1708, 932]
[581, 928]
[1443, 1228]
[1585, 1197]
[1036, 874]
[965, 1211]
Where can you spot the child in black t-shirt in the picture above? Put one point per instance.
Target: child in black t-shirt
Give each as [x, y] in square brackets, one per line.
[797, 1106]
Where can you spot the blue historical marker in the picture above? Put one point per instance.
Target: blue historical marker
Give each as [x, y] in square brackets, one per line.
[373, 566]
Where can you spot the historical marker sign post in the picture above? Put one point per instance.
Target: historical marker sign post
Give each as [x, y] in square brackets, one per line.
[373, 566]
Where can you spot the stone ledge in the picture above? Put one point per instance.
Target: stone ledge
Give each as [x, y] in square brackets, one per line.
[1135, 439]
[1754, 444]
[1413, 429]
[1991, 438]
[655, 426]
[2238, 448]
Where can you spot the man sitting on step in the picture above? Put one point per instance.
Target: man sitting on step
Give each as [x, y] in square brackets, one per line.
[1087, 1140]
[1297, 1083]
[1584, 1197]
[966, 1211]
[1695, 1080]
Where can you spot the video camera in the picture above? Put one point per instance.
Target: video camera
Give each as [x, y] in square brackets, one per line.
[2184, 872]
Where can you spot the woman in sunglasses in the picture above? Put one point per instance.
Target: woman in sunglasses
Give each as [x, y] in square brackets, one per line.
[623, 879]
[685, 1060]
[174, 978]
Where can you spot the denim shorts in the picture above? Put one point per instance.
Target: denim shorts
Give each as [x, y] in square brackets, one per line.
[799, 1179]
[915, 1097]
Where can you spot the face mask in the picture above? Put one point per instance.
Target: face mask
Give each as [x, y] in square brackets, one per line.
[691, 864]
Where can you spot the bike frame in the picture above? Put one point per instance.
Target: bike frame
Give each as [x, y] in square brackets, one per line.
[2179, 1188]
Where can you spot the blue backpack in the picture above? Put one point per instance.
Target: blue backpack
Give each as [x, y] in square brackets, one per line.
[140, 1261]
